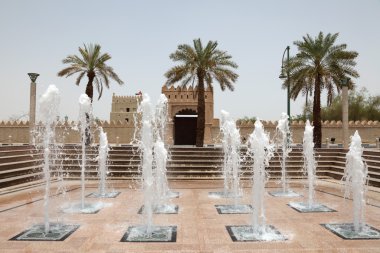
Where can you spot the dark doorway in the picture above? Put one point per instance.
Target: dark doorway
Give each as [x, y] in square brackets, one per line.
[185, 127]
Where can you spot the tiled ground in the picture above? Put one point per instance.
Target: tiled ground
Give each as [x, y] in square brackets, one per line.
[199, 227]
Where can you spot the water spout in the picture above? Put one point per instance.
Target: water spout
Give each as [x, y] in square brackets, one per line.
[146, 148]
[355, 176]
[102, 161]
[260, 148]
[231, 166]
[49, 109]
[283, 129]
[309, 161]
[85, 113]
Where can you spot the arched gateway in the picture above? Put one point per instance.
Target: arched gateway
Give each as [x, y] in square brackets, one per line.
[182, 110]
[185, 127]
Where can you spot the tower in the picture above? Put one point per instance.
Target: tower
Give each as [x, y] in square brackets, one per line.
[124, 108]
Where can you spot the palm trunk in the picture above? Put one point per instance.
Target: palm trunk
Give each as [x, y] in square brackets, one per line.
[317, 133]
[90, 87]
[90, 94]
[201, 111]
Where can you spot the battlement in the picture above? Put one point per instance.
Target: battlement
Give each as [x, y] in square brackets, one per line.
[186, 95]
[267, 123]
[99, 123]
[184, 89]
[126, 99]
[326, 123]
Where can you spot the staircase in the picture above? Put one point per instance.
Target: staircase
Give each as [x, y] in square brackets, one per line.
[21, 166]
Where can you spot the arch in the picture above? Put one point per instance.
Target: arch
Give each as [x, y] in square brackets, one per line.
[185, 127]
[186, 111]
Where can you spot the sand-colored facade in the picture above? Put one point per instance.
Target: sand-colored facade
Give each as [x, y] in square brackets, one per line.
[120, 129]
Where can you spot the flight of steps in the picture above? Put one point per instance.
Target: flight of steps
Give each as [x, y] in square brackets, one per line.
[21, 166]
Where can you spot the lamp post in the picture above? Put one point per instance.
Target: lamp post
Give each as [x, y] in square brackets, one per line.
[32, 106]
[344, 82]
[284, 76]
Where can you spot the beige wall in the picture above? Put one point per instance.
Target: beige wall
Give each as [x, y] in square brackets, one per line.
[67, 133]
[368, 131]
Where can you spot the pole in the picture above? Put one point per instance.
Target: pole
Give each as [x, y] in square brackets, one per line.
[32, 111]
[32, 106]
[287, 73]
[345, 116]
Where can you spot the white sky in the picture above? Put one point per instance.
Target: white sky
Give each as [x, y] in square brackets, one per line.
[140, 35]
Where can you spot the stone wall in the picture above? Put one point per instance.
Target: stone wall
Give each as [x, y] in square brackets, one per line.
[368, 130]
[67, 132]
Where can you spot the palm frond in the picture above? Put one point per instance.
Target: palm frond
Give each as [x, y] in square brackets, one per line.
[91, 61]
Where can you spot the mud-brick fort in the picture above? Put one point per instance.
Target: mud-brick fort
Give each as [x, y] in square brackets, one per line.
[181, 129]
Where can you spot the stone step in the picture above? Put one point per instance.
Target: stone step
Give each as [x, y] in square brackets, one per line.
[20, 171]
[5, 153]
[5, 182]
[22, 157]
[23, 186]
[20, 164]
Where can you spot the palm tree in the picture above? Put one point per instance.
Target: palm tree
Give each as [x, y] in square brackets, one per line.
[202, 65]
[92, 63]
[320, 64]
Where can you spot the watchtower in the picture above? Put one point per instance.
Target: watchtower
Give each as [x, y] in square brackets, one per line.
[124, 108]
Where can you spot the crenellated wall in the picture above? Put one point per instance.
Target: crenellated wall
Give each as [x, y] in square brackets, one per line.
[368, 130]
[67, 132]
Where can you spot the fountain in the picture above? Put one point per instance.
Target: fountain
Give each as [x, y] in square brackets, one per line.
[309, 168]
[160, 157]
[286, 140]
[85, 119]
[160, 153]
[261, 150]
[231, 167]
[148, 232]
[355, 177]
[103, 168]
[49, 109]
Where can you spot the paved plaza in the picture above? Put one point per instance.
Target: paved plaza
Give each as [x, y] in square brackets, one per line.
[199, 226]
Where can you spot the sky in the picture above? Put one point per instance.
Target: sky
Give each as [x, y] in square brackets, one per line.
[140, 35]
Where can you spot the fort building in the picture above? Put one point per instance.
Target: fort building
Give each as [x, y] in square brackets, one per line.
[182, 113]
[182, 121]
[124, 108]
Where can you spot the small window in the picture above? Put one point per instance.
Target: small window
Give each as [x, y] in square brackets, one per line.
[175, 96]
[127, 119]
[181, 96]
[127, 109]
[187, 96]
[205, 96]
[169, 96]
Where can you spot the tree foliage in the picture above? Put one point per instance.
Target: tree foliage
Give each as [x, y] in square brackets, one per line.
[201, 66]
[245, 120]
[361, 106]
[319, 64]
[90, 62]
